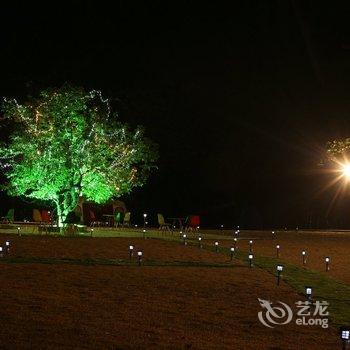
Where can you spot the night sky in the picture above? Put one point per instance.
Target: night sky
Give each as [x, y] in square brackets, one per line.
[241, 96]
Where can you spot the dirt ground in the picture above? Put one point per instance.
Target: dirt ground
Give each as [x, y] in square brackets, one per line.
[64, 306]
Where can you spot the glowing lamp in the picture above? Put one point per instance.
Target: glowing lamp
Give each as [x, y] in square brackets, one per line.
[308, 292]
[327, 260]
[250, 257]
[216, 246]
[139, 257]
[145, 215]
[279, 270]
[232, 252]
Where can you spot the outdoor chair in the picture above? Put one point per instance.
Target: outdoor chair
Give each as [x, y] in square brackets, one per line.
[9, 217]
[37, 218]
[93, 221]
[126, 221]
[118, 219]
[192, 222]
[162, 224]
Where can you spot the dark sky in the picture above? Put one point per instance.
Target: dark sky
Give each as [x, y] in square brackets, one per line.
[241, 96]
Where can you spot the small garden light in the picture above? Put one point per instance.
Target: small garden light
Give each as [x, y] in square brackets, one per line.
[250, 257]
[131, 251]
[216, 246]
[18, 230]
[308, 292]
[200, 242]
[91, 232]
[1, 252]
[7, 246]
[279, 271]
[278, 250]
[273, 234]
[232, 252]
[303, 254]
[327, 260]
[139, 257]
[184, 238]
[250, 246]
[345, 336]
[235, 242]
[145, 215]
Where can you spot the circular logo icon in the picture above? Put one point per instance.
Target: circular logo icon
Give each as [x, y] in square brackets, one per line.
[274, 315]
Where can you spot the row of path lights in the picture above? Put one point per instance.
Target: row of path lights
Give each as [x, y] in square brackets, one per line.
[139, 254]
[5, 249]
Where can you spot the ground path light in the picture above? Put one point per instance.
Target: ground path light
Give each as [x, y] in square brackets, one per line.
[200, 242]
[327, 260]
[235, 242]
[131, 251]
[18, 230]
[232, 252]
[91, 232]
[250, 258]
[250, 245]
[345, 336]
[308, 292]
[278, 250]
[303, 255]
[1, 252]
[144, 233]
[184, 238]
[279, 271]
[139, 257]
[144, 219]
[7, 246]
[216, 246]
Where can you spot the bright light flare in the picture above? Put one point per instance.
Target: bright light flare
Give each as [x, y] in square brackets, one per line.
[346, 170]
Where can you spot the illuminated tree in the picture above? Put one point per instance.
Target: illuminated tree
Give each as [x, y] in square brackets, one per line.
[67, 144]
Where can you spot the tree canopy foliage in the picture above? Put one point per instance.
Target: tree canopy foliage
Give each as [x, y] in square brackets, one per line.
[67, 144]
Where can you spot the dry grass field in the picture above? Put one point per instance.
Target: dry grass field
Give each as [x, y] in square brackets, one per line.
[83, 293]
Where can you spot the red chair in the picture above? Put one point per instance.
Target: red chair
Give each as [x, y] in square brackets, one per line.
[193, 222]
[46, 216]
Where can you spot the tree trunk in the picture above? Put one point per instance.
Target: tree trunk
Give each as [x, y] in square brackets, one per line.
[65, 203]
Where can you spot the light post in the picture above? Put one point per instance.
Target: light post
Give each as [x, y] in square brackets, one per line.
[232, 252]
[250, 258]
[144, 220]
[345, 336]
[131, 251]
[184, 238]
[200, 242]
[278, 250]
[91, 232]
[216, 246]
[327, 260]
[308, 292]
[144, 233]
[250, 246]
[303, 255]
[7, 246]
[279, 271]
[139, 257]
[235, 242]
[18, 231]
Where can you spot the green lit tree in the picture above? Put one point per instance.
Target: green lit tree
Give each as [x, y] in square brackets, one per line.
[67, 144]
